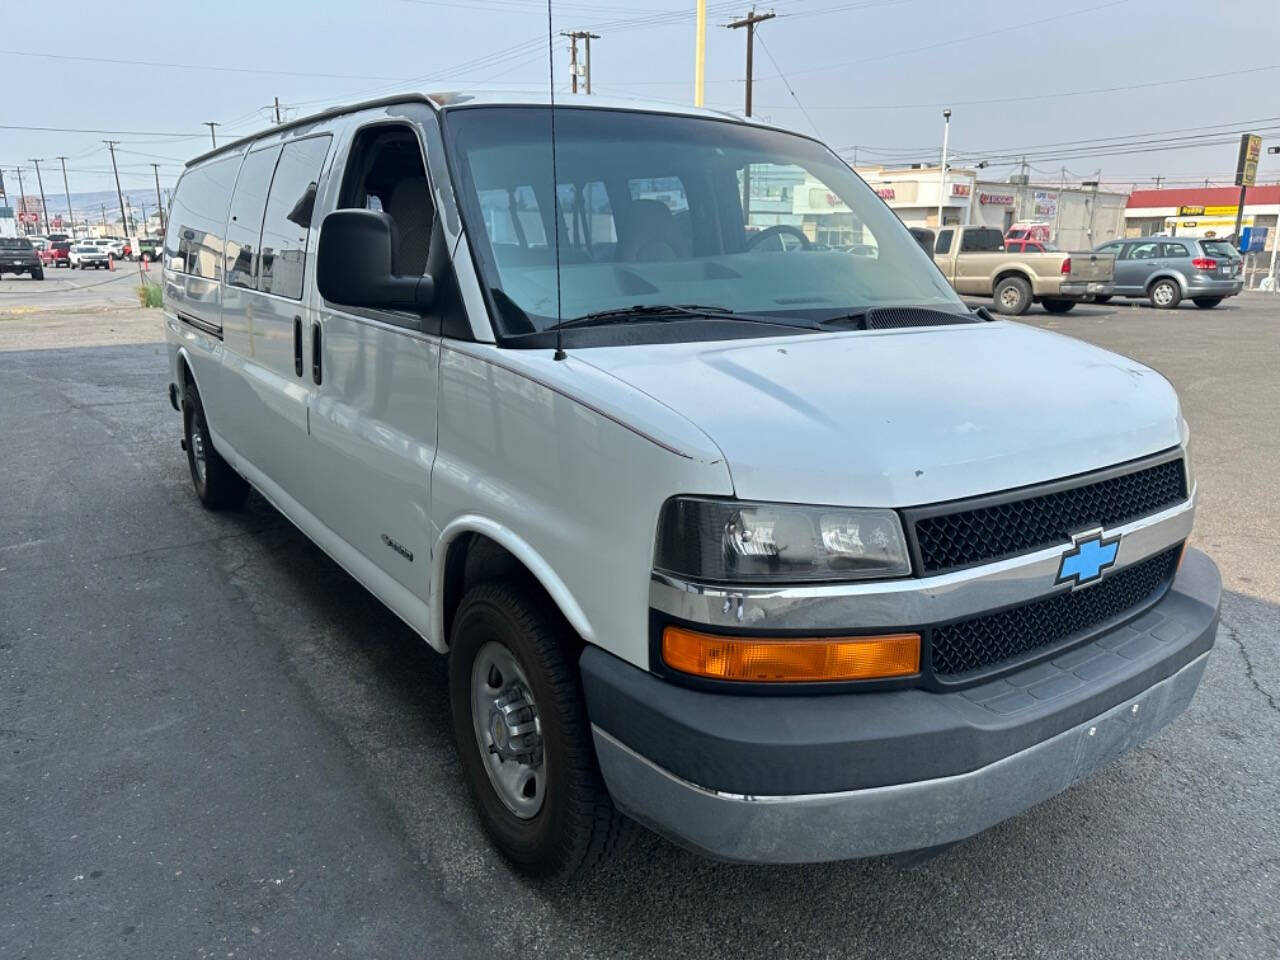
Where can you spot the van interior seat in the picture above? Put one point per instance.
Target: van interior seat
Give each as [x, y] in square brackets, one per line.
[410, 207]
[650, 232]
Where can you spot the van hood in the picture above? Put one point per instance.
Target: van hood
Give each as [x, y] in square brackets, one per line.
[905, 417]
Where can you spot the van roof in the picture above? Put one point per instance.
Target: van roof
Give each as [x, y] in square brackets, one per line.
[452, 100]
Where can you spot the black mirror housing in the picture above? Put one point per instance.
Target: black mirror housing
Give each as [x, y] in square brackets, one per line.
[354, 264]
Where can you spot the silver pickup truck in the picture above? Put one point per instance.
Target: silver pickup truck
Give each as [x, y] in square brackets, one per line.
[974, 261]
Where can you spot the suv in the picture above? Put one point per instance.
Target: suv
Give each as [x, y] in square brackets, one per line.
[17, 255]
[783, 553]
[1167, 270]
[89, 254]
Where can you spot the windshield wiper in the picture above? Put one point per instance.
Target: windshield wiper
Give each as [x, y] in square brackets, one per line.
[676, 311]
[854, 316]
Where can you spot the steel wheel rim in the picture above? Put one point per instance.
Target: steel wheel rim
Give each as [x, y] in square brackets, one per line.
[1009, 297]
[508, 730]
[198, 453]
[1164, 294]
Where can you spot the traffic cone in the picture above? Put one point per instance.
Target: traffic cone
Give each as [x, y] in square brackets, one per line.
[111, 263]
[146, 263]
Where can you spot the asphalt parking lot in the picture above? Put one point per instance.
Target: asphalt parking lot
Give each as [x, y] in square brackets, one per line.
[215, 743]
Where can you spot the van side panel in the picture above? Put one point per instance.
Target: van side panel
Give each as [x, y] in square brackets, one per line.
[581, 490]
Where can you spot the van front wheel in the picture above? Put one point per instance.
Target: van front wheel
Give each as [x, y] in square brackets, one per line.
[522, 733]
[217, 485]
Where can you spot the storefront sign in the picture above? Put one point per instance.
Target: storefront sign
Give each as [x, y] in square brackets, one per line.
[996, 199]
[1046, 203]
[1191, 211]
[1247, 161]
[960, 190]
[885, 193]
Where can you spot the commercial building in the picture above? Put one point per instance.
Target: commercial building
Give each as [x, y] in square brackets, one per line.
[1077, 217]
[1201, 212]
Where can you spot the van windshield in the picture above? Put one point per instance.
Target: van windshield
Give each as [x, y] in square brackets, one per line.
[656, 209]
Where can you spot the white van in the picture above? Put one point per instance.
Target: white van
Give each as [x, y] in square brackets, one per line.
[783, 553]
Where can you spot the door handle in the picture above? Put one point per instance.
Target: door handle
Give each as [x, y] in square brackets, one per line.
[297, 345]
[316, 369]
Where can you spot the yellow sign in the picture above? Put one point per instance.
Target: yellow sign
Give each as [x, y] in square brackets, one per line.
[1247, 162]
[1220, 211]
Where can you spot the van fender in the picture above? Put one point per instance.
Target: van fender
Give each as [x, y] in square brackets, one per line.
[533, 561]
[1177, 278]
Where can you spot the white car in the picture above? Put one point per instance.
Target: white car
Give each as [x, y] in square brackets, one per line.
[112, 245]
[89, 254]
[785, 554]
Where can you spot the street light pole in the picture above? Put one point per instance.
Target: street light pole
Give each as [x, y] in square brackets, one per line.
[71, 217]
[43, 206]
[942, 177]
[22, 202]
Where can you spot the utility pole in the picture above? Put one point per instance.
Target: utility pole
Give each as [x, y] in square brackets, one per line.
[1158, 181]
[574, 36]
[164, 227]
[111, 145]
[43, 206]
[211, 124]
[749, 21]
[278, 120]
[700, 54]
[71, 217]
[942, 178]
[22, 201]
[103, 207]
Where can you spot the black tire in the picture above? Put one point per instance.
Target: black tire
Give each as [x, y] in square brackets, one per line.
[576, 826]
[1058, 306]
[1207, 303]
[1164, 294]
[1012, 296]
[1102, 299]
[220, 487]
[37, 274]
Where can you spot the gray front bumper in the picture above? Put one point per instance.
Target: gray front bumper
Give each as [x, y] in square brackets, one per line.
[891, 819]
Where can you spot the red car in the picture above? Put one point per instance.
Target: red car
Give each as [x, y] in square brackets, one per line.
[1028, 246]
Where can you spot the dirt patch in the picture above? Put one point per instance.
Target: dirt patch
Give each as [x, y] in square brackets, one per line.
[29, 327]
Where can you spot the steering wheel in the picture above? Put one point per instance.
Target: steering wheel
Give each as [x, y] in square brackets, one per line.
[778, 230]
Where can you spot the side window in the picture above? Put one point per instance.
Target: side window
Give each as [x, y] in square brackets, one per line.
[288, 218]
[384, 171]
[1014, 246]
[1175, 250]
[193, 244]
[1142, 251]
[943, 243]
[244, 225]
[1113, 248]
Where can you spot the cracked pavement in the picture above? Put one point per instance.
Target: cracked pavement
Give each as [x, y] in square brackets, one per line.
[212, 741]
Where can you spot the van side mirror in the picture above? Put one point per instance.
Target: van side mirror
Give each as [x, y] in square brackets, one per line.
[354, 264]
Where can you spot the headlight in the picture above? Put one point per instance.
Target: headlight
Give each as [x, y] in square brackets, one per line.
[1187, 465]
[737, 542]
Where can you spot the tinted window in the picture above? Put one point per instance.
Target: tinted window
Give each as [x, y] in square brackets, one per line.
[1142, 251]
[1111, 248]
[199, 215]
[981, 241]
[244, 226]
[288, 219]
[1175, 250]
[1219, 248]
[943, 243]
[14, 243]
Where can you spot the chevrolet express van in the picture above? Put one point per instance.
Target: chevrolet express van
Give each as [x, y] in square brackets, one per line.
[783, 553]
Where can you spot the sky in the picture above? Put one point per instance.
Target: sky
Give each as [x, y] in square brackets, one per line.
[1135, 89]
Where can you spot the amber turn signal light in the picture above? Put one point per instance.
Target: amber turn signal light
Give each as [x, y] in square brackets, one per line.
[773, 660]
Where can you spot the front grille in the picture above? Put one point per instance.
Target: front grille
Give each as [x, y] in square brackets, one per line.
[1005, 529]
[986, 641]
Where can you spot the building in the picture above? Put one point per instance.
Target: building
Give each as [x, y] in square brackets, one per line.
[1201, 212]
[1079, 218]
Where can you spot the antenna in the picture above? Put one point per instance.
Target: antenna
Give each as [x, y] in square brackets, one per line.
[555, 182]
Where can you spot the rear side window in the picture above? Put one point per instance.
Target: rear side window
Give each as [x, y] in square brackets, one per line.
[288, 218]
[244, 225]
[1175, 250]
[193, 244]
[981, 241]
[1013, 246]
[943, 243]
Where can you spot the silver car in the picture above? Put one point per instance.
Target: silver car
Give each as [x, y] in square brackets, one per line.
[1168, 270]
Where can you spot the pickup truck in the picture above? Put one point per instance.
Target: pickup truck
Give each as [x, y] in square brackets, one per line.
[974, 261]
[17, 255]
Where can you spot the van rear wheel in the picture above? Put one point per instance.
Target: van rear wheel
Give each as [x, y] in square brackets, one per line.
[1012, 296]
[523, 738]
[217, 485]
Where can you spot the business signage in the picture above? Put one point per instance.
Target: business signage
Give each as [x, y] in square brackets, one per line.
[1247, 160]
[1190, 211]
[996, 199]
[960, 189]
[1045, 204]
[28, 217]
[886, 193]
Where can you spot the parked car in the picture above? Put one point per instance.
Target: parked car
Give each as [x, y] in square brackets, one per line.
[113, 245]
[58, 254]
[150, 248]
[1028, 246]
[86, 255]
[974, 260]
[641, 482]
[1030, 230]
[17, 255]
[1168, 270]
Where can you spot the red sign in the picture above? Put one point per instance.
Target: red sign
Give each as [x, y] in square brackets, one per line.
[25, 217]
[959, 189]
[998, 199]
[886, 193]
[57, 223]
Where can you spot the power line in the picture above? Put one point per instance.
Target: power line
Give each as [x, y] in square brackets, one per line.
[768, 53]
